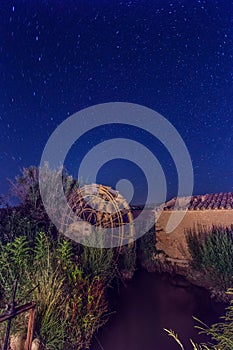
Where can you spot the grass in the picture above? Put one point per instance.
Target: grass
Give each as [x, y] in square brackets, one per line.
[71, 306]
[212, 254]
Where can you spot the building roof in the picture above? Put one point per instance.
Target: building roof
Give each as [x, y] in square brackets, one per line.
[201, 202]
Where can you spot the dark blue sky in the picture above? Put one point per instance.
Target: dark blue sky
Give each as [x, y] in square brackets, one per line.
[57, 57]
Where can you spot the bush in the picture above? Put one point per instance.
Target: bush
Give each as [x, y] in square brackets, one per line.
[13, 223]
[212, 253]
[127, 260]
[70, 307]
[147, 250]
[222, 333]
[98, 261]
[195, 242]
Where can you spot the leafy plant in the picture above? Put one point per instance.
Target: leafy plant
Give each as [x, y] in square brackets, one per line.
[97, 261]
[221, 333]
[70, 305]
[195, 243]
[127, 260]
[49, 296]
[86, 311]
[212, 253]
[147, 249]
[13, 223]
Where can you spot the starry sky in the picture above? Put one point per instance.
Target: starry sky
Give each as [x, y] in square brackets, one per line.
[58, 57]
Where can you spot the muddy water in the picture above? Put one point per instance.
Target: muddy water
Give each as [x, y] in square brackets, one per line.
[150, 303]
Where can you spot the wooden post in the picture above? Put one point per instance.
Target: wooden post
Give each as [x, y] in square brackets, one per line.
[11, 312]
[28, 343]
[17, 311]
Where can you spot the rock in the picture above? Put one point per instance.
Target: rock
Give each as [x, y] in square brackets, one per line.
[127, 274]
[16, 342]
[35, 344]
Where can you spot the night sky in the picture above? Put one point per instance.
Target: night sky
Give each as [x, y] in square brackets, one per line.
[58, 57]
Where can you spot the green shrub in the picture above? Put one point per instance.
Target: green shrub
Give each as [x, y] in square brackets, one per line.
[97, 261]
[221, 333]
[127, 260]
[212, 253]
[14, 223]
[147, 249]
[69, 306]
[86, 311]
[195, 242]
[15, 263]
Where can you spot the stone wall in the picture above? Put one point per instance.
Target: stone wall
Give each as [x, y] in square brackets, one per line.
[174, 244]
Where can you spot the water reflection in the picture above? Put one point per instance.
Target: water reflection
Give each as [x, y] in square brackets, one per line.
[150, 303]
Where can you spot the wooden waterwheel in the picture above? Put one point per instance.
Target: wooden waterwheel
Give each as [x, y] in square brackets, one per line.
[99, 208]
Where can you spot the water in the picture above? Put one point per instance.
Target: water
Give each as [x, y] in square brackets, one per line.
[150, 303]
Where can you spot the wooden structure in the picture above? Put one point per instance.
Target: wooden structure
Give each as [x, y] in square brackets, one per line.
[14, 311]
[101, 207]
